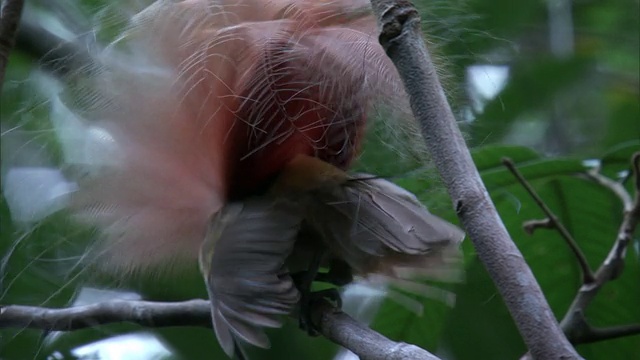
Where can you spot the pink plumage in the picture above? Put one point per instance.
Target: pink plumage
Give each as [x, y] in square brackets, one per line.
[204, 102]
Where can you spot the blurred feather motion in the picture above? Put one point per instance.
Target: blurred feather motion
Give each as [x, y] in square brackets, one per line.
[234, 122]
[202, 102]
[373, 228]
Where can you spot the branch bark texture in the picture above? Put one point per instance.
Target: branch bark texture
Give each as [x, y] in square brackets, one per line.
[360, 339]
[330, 322]
[145, 313]
[402, 39]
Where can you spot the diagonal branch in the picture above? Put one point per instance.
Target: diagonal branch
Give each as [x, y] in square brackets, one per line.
[616, 187]
[553, 222]
[343, 330]
[54, 54]
[574, 323]
[595, 334]
[613, 265]
[401, 37]
[586, 333]
[331, 322]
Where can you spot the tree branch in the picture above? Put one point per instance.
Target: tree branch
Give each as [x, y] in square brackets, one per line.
[553, 222]
[343, 330]
[595, 334]
[330, 322]
[402, 39]
[613, 265]
[586, 333]
[9, 20]
[531, 226]
[54, 54]
[145, 313]
[574, 324]
[616, 187]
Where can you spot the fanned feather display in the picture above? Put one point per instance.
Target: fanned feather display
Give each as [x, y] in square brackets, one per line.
[202, 102]
[222, 130]
[377, 229]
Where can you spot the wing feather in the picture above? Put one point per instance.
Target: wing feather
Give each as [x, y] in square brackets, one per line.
[379, 228]
[243, 261]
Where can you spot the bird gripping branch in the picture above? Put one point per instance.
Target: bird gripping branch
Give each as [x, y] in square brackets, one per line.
[235, 121]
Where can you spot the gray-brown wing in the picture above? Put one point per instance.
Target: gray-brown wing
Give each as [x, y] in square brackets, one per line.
[379, 227]
[397, 218]
[242, 260]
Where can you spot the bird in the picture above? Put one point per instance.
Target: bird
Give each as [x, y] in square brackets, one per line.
[198, 103]
[222, 132]
[316, 215]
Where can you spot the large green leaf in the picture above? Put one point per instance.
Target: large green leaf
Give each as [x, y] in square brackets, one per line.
[495, 175]
[592, 214]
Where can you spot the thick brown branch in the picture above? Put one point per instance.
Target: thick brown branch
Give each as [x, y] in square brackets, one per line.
[402, 39]
[587, 273]
[9, 20]
[332, 323]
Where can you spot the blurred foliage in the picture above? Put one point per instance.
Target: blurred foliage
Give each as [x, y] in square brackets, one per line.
[561, 105]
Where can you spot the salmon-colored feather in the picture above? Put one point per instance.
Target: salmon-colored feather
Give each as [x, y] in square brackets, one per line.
[206, 101]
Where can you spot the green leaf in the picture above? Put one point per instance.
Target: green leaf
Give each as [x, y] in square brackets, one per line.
[618, 158]
[399, 323]
[490, 157]
[531, 89]
[488, 160]
[592, 215]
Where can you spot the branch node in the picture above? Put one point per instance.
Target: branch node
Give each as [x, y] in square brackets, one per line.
[532, 225]
[394, 18]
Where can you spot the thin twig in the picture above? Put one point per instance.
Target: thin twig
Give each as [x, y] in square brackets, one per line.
[332, 323]
[587, 273]
[9, 20]
[574, 324]
[532, 225]
[613, 332]
[616, 187]
[587, 334]
[402, 39]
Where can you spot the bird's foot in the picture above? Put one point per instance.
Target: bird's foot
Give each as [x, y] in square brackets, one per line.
[306, 307]
[339, 274]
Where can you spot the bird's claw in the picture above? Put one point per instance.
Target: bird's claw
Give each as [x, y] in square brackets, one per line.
[306, 307]
[337, 275]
